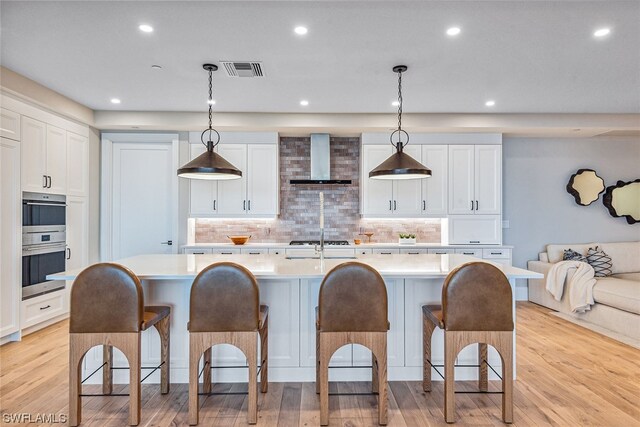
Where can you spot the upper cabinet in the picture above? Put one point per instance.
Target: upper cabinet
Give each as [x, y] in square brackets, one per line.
[405, 198]
[56, 164]
[77, 165]
[9, 124]
[44, 157]
[475, 179]
[255, 194]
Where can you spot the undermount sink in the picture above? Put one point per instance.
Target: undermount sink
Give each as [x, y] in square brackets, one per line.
[317, 257]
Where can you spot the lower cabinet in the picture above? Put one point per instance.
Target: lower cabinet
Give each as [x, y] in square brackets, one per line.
[44, 307]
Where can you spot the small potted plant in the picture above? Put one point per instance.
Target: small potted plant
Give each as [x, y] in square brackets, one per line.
[407, 239]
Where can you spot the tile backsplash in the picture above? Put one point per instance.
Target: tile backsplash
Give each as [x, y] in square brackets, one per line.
[300, 204]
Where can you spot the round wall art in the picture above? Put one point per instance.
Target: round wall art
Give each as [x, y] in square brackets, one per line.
[585, 186]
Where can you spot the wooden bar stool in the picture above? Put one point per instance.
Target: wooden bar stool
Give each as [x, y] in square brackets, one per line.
[352, 309]
[107, 308]
[225, 309]
[477, 307]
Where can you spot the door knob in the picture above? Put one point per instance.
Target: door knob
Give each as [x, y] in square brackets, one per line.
[168, 242]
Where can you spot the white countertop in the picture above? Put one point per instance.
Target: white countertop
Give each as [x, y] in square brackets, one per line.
[178, 267]
[349, 246]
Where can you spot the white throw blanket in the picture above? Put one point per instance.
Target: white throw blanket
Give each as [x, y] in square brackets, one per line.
[580, 286]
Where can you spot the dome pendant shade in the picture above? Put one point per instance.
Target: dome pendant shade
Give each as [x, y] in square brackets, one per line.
[400, 166]
[209, 165]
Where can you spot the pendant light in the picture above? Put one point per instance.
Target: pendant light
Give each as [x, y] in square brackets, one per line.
[210, 165]
[400, 165]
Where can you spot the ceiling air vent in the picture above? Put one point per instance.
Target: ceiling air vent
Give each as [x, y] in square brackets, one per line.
[243, 69]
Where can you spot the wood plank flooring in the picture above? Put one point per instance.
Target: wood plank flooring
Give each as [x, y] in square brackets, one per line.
[567, 376]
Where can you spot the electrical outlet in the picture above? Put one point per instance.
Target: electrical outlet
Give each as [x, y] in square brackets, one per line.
[505, 223]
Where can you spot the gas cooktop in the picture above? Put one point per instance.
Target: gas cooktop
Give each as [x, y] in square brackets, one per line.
[317, 242]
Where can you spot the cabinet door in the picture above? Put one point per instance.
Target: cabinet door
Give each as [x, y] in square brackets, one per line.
[282, 296]
[77, 232]
[232, 194]
[377, 194]
[475, 229]
[407, 193]
[461, 177]
[77, 165]
[203, 193]
[9, 124]
[10, 232]
[488, 179]
[34, 149]
[434, 189]
[262, 179]
[56, 159]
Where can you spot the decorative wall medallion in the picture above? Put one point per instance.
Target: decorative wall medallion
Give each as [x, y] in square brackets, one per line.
[623, 200]
[585, 186]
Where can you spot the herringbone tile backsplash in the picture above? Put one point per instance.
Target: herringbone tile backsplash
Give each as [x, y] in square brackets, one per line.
[299, 204]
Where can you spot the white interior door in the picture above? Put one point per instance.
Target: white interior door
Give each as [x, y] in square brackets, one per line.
[144, 198]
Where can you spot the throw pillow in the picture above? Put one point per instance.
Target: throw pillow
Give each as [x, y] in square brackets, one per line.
[571, 255]
[600, 261]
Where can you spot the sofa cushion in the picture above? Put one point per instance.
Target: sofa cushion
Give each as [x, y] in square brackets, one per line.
[618, 293]
[625, 256]
[628, 276]
[556, 252]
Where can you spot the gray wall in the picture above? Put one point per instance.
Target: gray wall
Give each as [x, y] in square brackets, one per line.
[537, 205]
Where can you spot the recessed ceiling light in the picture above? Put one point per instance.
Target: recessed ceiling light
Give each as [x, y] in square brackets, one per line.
[145, 28]
[115, 100]
[211, 101]
[601, 32]
[301, 30]
[490, 103]
[453, 31]
[304, 102]
[156, 67]
[395, 103]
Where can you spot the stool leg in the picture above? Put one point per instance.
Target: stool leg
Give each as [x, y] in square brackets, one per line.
[195, 351]
[323, 371]
[163, 328]
[483, 372]
[381, 362]
[317, 361]
[374, 373]
[75, 403]
[505, 348]
[107, 373]
[131, 349]
[449, 376]
[250, 348]
[264, 356]
[427, 333]
[206, 374]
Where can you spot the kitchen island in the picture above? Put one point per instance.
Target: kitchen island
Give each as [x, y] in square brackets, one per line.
[290, 288]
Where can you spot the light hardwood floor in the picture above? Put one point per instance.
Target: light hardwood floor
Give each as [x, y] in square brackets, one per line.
[567, 376]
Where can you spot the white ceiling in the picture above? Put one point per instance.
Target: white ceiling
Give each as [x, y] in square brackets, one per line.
[529, 56]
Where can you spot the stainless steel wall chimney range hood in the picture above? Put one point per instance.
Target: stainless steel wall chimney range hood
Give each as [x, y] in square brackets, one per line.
[320, 162]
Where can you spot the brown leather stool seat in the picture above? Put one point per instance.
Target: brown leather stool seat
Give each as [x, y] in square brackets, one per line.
[352, 309]
[225, 309]
[477, 307]
[107, 308]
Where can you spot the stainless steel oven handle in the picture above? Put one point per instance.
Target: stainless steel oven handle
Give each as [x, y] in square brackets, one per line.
[44, 204]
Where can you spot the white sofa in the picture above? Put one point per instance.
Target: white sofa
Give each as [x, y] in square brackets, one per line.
[617, 297]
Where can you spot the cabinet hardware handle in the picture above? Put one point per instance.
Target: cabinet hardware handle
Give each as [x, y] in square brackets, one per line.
[496, 253]
[198, 253]
[244, 205]
[254, 253]
[390, 205]
[49, 176]
[414, 253]
[472, 205]
[249, 205]
[214, 205]
[468, 253]
[394, 205]
[168, 242]
[474, 241]
[45, 307]
[385, 253]
[68, 253]
[44, 178]
[476, 205]
[424, 205]
[226, 253]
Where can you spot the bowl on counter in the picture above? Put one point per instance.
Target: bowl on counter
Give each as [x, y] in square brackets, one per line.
[239, 240]
[357, 241]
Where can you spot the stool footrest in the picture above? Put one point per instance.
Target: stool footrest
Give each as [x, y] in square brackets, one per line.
[155, 368]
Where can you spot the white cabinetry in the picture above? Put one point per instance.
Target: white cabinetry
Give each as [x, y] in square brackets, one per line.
[405, 198]
[77, 165]
[44, 157]
[255, 194]
[475, 179]
[475, 229]
[77, 232]
[9, 124]
[10, 237]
